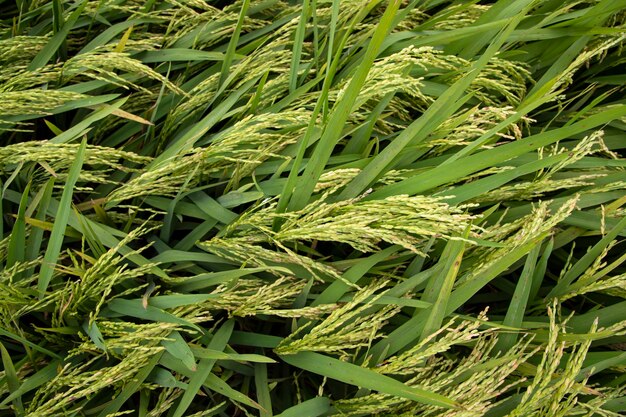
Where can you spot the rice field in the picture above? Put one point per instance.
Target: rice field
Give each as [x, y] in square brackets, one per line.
[313, 208]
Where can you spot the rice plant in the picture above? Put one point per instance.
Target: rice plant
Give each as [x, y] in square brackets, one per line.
[312, 208]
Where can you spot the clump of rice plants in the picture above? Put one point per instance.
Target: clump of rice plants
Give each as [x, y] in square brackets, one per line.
[312, 208]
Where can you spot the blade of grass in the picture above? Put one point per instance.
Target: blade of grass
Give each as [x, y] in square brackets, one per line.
[176, 346]
[311, 408]
[57, 41]
[179, 54]
[363, 377]
[135, 308]
[17, 244]
[57, 25]
[264, 397]
[232, 45]
[41, 377]
[33, 245]
[540, 270]
[12, 380]
[338, 288]
[215, 383]
[209, 279]
[205, 353]
[121, 45]
[107, 35]
[28, 343]
[517, 308]
[60, 222]
[297, 46]
[83, 126]
[441, 283]
[219, 341]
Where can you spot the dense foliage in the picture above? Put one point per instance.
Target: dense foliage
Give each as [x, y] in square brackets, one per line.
[312, 208]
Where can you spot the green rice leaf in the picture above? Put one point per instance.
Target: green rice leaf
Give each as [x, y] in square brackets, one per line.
[363, 377]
